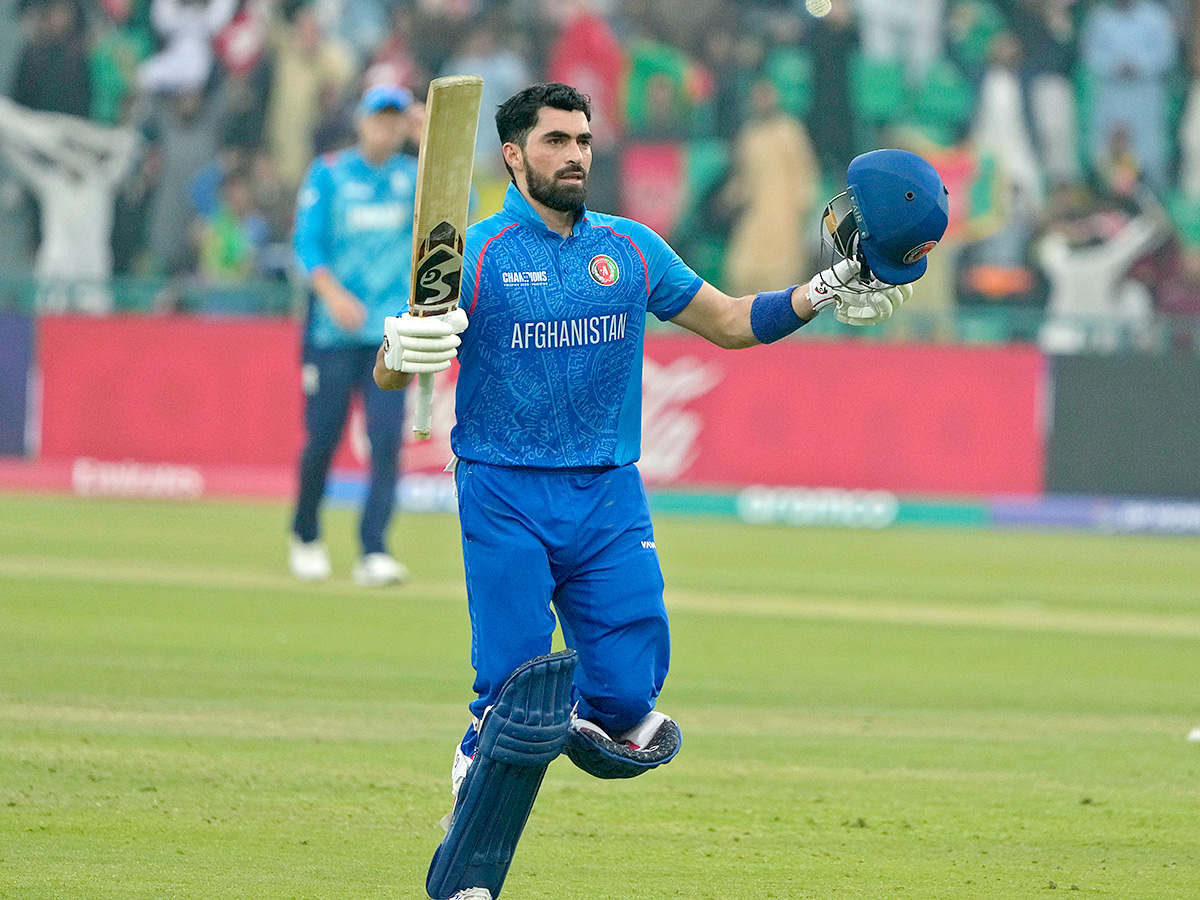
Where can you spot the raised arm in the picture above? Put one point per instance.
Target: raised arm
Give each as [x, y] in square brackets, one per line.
[894, 211]
[737, 322]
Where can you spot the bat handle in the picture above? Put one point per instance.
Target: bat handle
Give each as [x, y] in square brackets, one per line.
[423, 416]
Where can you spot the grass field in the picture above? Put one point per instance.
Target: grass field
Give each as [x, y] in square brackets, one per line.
[909, 713]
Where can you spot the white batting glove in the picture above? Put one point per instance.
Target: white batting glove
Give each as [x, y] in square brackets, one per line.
[872, 307]
[864, 304]
[422, 344]
[823, 289]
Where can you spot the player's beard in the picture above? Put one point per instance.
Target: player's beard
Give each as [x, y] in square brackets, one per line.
[563, 196]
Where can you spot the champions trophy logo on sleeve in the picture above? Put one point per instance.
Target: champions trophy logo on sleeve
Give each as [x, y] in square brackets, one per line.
[437, 278]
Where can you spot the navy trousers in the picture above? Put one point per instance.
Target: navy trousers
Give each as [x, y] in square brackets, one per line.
[331, 378]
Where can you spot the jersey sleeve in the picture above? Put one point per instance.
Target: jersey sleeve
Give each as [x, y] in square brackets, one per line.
[671, 282]
[471, 249]
[311, 242]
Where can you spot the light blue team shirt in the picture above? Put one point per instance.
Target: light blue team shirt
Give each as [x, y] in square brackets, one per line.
[552, 360]
[356, 219]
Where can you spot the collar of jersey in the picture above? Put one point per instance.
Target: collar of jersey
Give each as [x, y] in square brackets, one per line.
[355, 154]
[518, 207]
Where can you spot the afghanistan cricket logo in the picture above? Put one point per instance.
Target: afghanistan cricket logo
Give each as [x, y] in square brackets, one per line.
[438, 276]
[917, 252]
[603, 270]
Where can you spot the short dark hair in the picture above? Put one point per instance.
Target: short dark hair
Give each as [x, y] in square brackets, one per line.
[519, 113]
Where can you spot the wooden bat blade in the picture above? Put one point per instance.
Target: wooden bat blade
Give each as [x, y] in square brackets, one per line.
[444, 192]
[443, 203]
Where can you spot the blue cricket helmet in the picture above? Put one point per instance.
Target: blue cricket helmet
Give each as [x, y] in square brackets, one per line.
[900, 211]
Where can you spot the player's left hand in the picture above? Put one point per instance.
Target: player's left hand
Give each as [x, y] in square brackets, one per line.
[872, 307]
[855, 300]
[422, 344]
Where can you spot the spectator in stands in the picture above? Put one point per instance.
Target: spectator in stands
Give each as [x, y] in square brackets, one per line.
[489, 52]
[908, 33]
[834, 44]
[276, 203]
[439, 29]
[188, 28]
[241, 50]
[132, 215]
[1000, 132]
[206, 187]
[1129, 48]
[120, 44]
[658, 105]
[185, 131]
[334, 129]
[1046, 34]
[1086, 253]
[305, 66]
[773, 185]
[74, 168]
[240, 186]
[231, 237]
[394, 61]
[1189, 132]
[272, 196]
[53, 73]
[587, 55]
[360, 25]
[719, 57]
[1177, 295]
[974, 215]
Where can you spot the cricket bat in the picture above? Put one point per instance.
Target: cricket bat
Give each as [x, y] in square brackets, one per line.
[444, 167]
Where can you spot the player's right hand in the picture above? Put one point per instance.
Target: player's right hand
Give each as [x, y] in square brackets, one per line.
[345, 309]
[422, 344]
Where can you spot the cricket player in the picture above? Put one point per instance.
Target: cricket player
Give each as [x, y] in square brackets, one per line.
[353, 243]
[553, 512]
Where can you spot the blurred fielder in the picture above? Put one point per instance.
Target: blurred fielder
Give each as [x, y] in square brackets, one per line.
[353, 242]
[553, 512]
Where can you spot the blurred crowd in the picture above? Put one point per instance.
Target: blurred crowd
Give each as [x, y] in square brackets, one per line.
[1068, 132]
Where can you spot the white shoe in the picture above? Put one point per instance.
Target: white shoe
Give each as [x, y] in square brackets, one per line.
[378, 569]
[473, 894]
[309, 560]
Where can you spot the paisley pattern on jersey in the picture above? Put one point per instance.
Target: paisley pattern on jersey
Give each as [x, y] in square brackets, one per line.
[552, 360]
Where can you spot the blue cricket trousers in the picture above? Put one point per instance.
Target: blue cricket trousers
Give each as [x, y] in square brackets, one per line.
[331, 378]
[579, 543]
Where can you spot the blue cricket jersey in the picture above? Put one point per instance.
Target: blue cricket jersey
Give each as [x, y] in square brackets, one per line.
[552, 360]
[356, 219]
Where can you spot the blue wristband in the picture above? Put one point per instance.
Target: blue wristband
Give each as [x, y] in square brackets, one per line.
[772, 316]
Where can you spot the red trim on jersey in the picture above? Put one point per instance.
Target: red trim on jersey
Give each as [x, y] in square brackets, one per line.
[633, 243]
[479, 265]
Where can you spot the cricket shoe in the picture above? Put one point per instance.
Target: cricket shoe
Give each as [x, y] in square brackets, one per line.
[473, 894]
[379, 569]
[309, 560]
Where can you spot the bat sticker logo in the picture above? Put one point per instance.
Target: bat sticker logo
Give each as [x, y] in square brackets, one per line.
[603, 270]
[437, 280]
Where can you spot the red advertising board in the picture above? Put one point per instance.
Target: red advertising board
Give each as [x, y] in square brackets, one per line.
[910, 418]
[170, 390]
